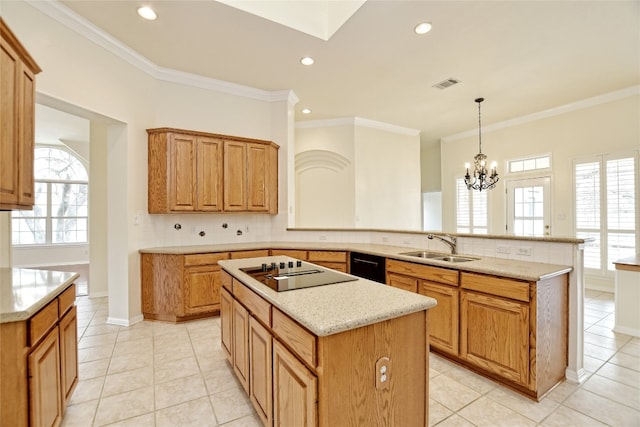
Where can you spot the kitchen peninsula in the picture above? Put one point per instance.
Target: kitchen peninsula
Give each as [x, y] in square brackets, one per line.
[38, 337]
[350, 353]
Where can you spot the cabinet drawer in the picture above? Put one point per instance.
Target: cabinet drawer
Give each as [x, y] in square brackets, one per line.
[250, 254]
[293, 253]
[507, 288]
[331, 256]
[260, 308]
[403, 282]
[426, 272]
[298, 339]
[339, 266]
[42, 321]
[227, 281]
[66, 300]
[205, 259]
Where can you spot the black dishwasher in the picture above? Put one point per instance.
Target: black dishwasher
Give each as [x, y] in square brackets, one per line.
[368, 266]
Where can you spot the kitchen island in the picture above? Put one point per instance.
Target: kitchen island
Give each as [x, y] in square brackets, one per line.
[38, 345]
[351, 353]
[627, 295]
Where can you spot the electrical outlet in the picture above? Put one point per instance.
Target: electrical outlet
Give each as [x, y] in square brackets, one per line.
[524, 251]
[383, 373]
[503, 249]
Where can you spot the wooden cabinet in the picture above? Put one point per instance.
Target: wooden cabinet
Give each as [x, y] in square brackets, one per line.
[300, 254]
[192, 171]
[515, 330]
[296, 378]
[440, 284]
[39, 361]
[294, 390]
[17, 122]
[336, 260]
[176, 288]
[261, 368]
[45, 387]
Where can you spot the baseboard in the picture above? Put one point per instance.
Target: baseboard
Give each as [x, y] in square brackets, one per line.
[98, 294]
[124, 322]
[576, 377]
[602, 284]
[627, 330]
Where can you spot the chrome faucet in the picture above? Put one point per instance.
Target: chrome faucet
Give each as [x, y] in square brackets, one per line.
[452, 242]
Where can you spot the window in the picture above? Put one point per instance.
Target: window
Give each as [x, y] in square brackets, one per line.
[606, 206]
[530, 164]
[471, 210]
[60, 213]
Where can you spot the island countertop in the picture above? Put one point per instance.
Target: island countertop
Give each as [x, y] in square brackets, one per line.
[515, 269]
[330, 309]
[25, 291]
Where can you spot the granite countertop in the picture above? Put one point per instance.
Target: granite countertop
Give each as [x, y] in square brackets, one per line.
[523, 270]
[330, 309]
[25, 291]
[633, 261]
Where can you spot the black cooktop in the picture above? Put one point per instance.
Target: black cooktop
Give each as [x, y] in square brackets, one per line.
[288, 276]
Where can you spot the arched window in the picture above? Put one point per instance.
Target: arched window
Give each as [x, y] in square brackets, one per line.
[60, 213]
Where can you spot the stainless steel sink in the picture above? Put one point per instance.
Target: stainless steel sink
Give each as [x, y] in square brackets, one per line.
[439, 257]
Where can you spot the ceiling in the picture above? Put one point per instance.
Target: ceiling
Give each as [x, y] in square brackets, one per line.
[523, 57]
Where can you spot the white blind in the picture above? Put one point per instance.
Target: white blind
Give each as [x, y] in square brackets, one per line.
[587, 178]
[463, 207]
[471, 209]
[621, 212]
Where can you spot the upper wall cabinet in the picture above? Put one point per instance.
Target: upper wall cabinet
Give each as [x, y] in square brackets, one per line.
[201, 172]
[17, 122]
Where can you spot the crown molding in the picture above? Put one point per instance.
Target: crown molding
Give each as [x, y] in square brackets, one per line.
[556, 111]
[65, 16]
[357, 121]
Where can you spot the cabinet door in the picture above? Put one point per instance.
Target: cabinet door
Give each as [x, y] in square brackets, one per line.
[294, 390]
[45, 400]
[202, 289]
[209, 175]
[226, 328]
[495, 335]
[240, 348]
[10, 66]
[257, 178]
[443, 318]
[235, 169]
[403, 282]
[260, 359]
[182, 172]
[26, 126]
[68, 353]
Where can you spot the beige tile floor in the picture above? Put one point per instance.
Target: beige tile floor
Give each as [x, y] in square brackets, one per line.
[158, 374]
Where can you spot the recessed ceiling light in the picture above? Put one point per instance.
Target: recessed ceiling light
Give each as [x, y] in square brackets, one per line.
[423, 28]
[147, 13]
[306, 111]
[307, 60]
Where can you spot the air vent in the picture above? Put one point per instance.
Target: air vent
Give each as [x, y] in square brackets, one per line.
[446, 83]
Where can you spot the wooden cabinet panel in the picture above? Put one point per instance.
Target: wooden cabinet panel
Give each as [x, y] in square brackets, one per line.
[226, 329]
[422, 271]
[209, 175]
[443, 318]
[66, 300]
[260, 368]
[42, 321]
[495, 335]
[499, 286]
[202, 289]
[17, 122]
[257, 177]
[68, 354]
[259, 307]
[250, 254]
[293, 253]
[235, 184]
[182, 172]
[45, 400]
[327, 256]
[240, 348]
[338, 266]
[205, 259]
[294, 390]
[301, 341]
[403, 282]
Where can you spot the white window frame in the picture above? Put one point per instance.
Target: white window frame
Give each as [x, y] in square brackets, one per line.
[534, 170]
[603, 229]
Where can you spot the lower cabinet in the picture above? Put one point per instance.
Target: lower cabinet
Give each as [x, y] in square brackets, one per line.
[443, 318]
[294, 390]
[45, 386]
[240, 346]
[39, 358]
[260, 370]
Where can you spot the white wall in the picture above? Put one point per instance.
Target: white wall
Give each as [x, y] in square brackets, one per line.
[80, 73]
[608, 127]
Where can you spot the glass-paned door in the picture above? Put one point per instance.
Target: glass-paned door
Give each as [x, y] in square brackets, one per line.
[529, 207]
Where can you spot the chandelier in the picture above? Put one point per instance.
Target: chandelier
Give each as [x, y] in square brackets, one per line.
[481, 179]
